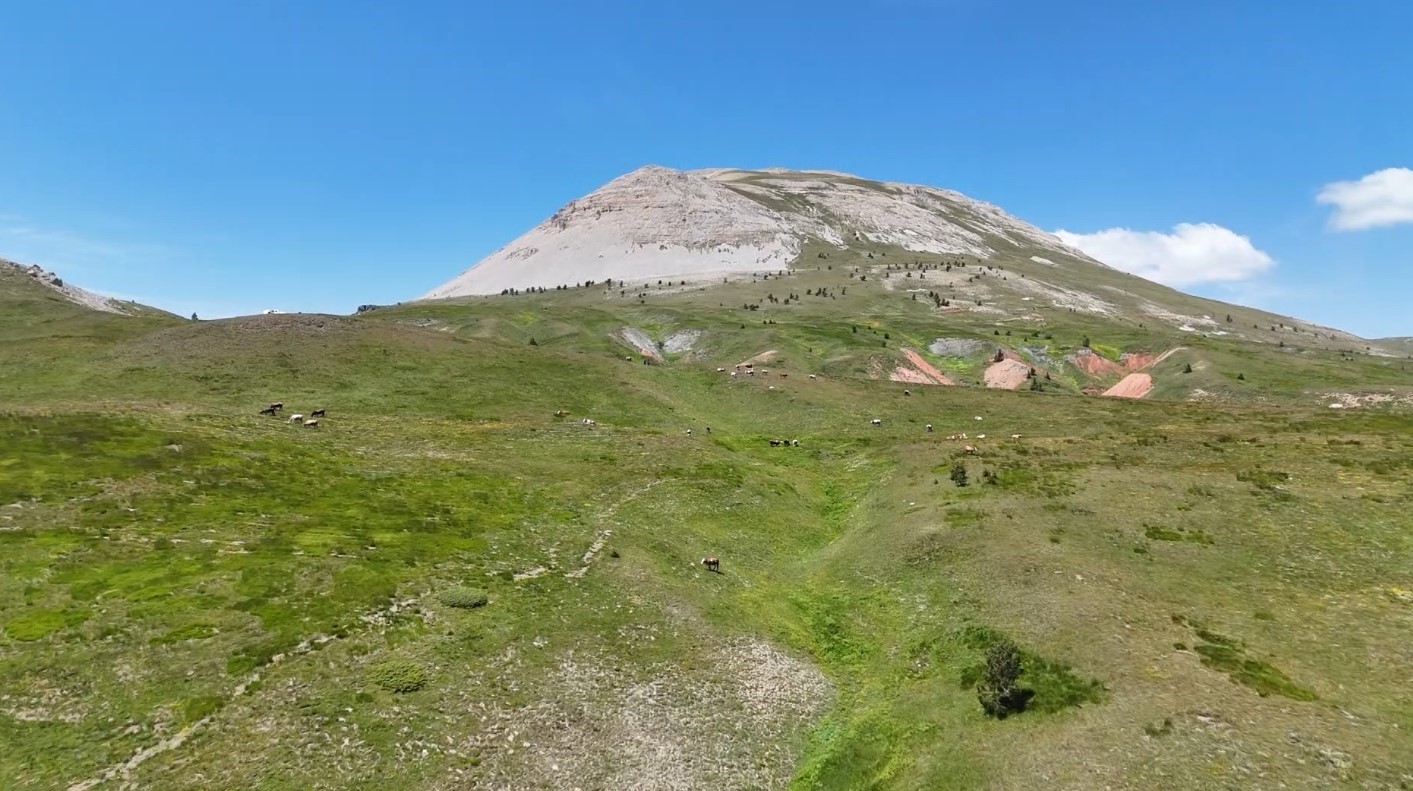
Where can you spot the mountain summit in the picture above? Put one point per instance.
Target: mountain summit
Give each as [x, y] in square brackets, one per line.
[656, 222]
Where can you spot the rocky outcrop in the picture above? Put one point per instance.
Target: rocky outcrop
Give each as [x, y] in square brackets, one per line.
[72, 293]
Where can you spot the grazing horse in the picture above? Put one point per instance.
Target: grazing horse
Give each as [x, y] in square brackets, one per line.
[296, 418]
[929, 428]
[311, 423]
[876, 422]
[712, 564]
[277, 406]
[775, 443]
[969, 450]
[269, 410]
[317, 413]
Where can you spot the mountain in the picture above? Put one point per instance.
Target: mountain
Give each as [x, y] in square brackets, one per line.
[659, 222]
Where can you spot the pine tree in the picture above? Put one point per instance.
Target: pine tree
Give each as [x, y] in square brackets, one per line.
[997, 691]
[959, 474]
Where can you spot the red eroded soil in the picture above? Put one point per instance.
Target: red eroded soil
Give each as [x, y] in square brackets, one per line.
[927, 367]
[1137, 361]
[1094, 364]
[905, 374]
[1131, 386]
[1008, 374]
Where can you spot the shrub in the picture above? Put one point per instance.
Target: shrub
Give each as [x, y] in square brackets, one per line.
[463, 598]
[1187, 368]
[997, 691]
[196, 709]
[959, 474]
[399, 676]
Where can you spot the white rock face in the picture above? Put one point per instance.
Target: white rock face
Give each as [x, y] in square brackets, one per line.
[661, 223]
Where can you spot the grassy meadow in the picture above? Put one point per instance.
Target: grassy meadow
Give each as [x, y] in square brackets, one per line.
[446, 585]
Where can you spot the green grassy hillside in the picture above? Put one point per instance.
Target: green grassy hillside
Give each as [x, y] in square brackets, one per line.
[1208, 593]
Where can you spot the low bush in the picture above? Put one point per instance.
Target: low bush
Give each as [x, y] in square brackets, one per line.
[398, 676]
[463, 598]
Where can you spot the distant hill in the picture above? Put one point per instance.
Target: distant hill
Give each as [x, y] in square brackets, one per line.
[32, 283]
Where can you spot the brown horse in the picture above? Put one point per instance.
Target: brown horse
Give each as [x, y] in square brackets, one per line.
[712, 564]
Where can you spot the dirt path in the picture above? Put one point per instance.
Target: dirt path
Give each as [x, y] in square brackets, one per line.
[1131, 386]
[1008, 374]
[927, 368]
[1169, 353]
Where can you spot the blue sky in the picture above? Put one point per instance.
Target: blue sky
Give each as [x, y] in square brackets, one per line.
[229, 157]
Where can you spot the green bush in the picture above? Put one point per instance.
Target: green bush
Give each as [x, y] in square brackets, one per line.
[463, 598]
[398, 675]
[196, 709]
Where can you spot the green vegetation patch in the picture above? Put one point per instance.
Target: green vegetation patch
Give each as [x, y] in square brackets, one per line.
[1049, 686]
[37, 624]
[1160, 533]
[1229, 656]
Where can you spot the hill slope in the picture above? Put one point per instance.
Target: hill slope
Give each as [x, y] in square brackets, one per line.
[1201, 593]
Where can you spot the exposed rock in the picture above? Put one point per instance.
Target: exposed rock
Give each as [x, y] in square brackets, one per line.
[658, 222]
[72, 293]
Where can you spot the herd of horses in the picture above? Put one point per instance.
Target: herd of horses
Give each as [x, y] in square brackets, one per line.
[275, 408]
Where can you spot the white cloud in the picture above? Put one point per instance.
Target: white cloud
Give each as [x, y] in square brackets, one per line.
[1381, 198]
[1191, 254]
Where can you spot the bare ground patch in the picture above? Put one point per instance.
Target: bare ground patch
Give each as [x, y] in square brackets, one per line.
[1007, 374]
[595, 724]
[928, 369]
[1131, 386]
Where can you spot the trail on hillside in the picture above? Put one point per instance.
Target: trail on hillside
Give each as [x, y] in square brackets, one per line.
[176, 740]
[763, 357]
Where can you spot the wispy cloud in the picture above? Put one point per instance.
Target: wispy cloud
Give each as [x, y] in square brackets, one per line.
[1382, 198]
[56, 249]
[1192, 254]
